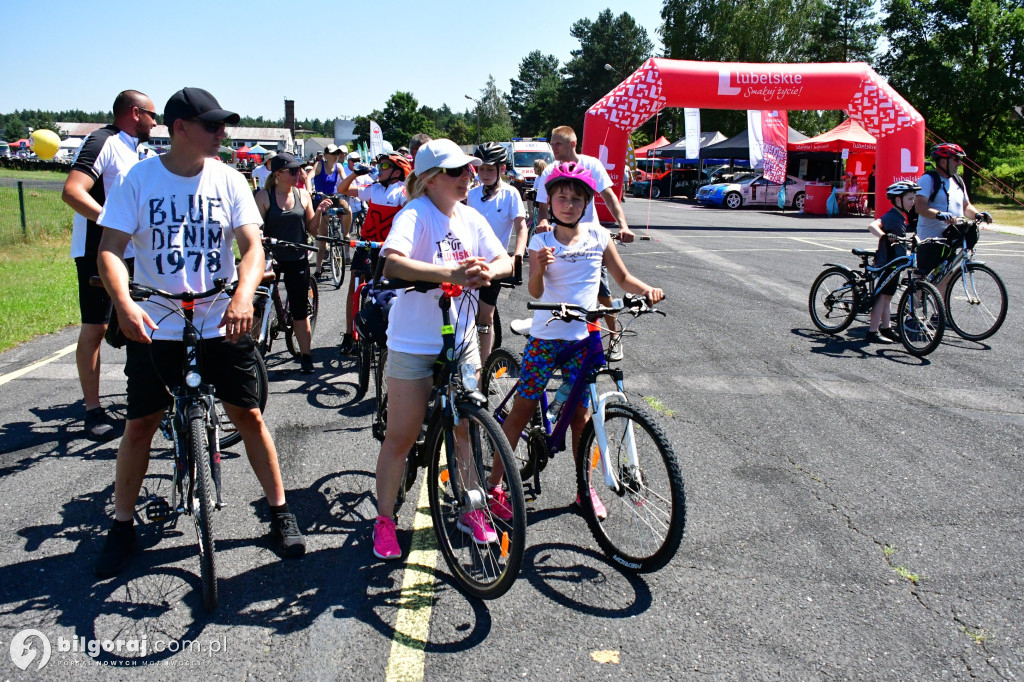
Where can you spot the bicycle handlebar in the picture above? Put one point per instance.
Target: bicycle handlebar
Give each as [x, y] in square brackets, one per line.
[140, 292]
[271, 241]
[631, 303]
[354, 243]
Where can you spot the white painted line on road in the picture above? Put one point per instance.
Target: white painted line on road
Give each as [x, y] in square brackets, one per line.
[814, 243]
[412, 624]
[4, 378]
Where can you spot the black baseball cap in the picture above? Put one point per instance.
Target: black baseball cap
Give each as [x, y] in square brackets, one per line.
[196, 103]
[284, 160]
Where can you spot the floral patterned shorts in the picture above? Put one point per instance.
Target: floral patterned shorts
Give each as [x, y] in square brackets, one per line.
[539, 365]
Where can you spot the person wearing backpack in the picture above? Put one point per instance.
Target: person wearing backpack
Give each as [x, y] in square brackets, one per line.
[941, 200]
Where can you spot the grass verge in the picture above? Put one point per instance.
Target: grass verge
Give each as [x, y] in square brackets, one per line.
[33, 175]
[1004, 212]
[38, 290]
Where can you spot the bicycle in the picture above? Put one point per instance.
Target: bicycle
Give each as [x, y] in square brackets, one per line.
[975, 302]
[839, 294]
[272, 316]
[194, 424]
[360, 278]
[337, 255]
[646, 515]
[458, 422]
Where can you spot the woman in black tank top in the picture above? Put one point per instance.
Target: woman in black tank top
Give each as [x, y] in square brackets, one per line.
[288, 214]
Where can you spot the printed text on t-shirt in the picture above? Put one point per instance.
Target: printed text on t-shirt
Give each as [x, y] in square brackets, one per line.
[186, 232]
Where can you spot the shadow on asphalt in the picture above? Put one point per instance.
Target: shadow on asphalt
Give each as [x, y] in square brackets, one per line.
[59, 425]
[841, 346]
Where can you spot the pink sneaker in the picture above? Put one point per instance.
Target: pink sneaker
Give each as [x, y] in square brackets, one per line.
[499, 505]
[475, 523]
[599, 509]
[385, 542]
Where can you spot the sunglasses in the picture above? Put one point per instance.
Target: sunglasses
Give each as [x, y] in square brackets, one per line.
[210, 126]
[294, 171]
[147, 111]
[456, 172]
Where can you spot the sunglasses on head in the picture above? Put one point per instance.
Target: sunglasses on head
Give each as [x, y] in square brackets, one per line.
[456, 172]
[210, 126]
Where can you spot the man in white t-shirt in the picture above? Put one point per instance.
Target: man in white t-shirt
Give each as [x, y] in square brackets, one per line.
[104, 155]
[260, 173]
[563, 145]
[181, 211]
[500, 204]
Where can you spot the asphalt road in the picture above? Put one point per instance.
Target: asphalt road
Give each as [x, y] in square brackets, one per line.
[853, 512]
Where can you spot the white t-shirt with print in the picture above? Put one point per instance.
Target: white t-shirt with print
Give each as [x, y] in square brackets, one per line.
[423, 233]
[392, 195]
[597, 171]
[950, 198]
[182, 229]
[574, 277]
[500, 210]
[360, 182]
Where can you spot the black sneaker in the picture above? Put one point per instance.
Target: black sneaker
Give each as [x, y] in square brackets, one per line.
[99, 426]
[874, 337]
[307, 364]
[285, 535]
[117, 551]
[889, 333]
[348, 345]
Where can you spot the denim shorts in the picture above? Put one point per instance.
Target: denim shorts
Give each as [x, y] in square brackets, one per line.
[539, 366]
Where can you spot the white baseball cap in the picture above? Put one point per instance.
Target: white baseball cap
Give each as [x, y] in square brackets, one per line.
[443, 153]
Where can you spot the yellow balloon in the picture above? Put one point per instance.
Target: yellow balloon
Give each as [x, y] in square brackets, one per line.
[45, 143]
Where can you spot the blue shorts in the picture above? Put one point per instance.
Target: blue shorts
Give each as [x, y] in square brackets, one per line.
[539, 365]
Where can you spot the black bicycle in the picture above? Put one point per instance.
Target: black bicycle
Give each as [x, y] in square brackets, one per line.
[272, 316]
[457, 447]
[194, 428]
[337, 252]
[839, 294]
[975, 296]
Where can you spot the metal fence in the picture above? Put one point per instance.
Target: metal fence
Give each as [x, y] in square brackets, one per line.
[32, 209]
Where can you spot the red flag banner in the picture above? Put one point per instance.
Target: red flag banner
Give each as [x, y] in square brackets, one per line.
[775, 136]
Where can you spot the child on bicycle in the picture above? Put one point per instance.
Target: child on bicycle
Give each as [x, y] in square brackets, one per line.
[889, 228]
[435, 238]
[565, 267]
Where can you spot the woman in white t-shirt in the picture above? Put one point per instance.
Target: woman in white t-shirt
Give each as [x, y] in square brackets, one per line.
[434, 238]
[565, 267]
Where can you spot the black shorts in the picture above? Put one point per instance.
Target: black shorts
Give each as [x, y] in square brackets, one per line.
[930, 255]
[364, 260]
[489, 294]
[93, 302]
[230, 367]
[295, 274]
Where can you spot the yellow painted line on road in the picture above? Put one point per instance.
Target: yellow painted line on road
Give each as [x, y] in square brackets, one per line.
[412, 624]
[4, 378]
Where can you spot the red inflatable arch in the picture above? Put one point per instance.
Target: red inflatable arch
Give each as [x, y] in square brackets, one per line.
[853, 88]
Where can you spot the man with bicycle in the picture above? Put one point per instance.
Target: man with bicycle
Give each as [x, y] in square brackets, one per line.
[181, 211]
[107, 152]
[940, 201]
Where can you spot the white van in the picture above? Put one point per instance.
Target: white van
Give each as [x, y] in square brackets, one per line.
[522, 152]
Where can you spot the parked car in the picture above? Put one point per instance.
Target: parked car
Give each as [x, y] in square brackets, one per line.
[752, 190]
[676, 182]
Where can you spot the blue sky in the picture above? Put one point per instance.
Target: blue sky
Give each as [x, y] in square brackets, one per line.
[346, 60]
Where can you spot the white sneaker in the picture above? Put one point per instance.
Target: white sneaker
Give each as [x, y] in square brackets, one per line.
[614, 353]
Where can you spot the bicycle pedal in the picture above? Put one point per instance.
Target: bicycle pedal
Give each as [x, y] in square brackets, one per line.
[158, 510]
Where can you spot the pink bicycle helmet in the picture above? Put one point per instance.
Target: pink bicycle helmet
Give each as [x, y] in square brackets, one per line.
[573, 173]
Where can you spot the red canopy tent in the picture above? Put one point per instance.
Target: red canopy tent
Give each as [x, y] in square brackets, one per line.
[642, 152]
[846, 135]
[242, 152]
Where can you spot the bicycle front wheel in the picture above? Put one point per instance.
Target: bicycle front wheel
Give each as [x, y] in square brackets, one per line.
[496, 331]
[976, 302]
[644, 519]
[202, 508]
[229, 434]
[920, 319]
[380, 417]
[833, 301]
[500, 375]
[364, 356]
[482, 537]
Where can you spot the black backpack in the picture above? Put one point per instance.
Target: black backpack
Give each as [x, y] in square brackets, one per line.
[937, 184]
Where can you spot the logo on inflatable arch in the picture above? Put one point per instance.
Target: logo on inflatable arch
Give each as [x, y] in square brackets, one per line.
[767, 86]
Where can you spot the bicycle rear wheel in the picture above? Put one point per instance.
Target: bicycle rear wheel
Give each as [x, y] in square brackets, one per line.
[496, 331]
[229, 434]
[484, 565]
[920, 319]
[201, 506]
[380, 417]
[500, 374]
[364, 356]
[646, 518]
[976, 302]
[833, 301]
